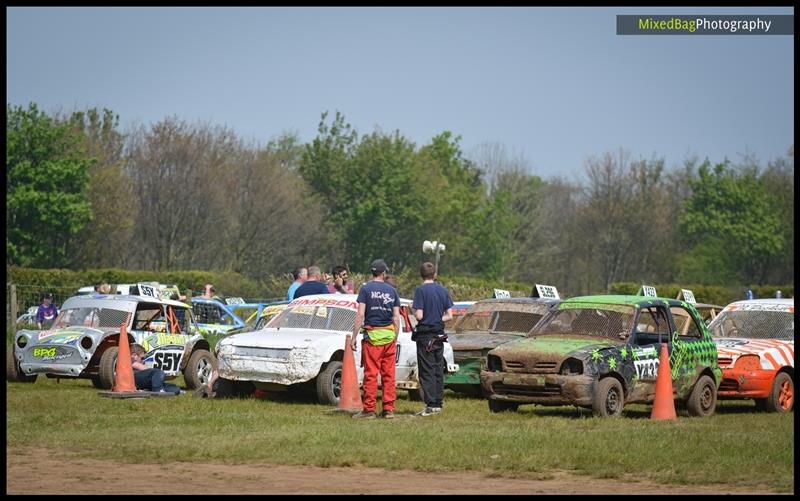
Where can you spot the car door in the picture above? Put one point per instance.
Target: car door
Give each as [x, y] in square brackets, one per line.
[651, 327]
[688, 349]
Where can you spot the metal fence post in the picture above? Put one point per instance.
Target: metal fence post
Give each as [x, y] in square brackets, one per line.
[13, 296]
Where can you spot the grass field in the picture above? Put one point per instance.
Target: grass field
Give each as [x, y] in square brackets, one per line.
[736, 446]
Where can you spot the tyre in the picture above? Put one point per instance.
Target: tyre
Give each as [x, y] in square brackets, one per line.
[703, 399]
[96, 381]
[329, 383]
[502, 406]
[781, 397]
[416, 395]
[108, 369]
[13, 372]
[198, 369]
[608, 398]
[226, 388]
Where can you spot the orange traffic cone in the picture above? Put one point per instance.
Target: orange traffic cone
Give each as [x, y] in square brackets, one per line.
[350, 396]
[123, 380]
[664, 403]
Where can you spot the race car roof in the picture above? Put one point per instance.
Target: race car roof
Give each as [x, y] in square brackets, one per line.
[117, 301]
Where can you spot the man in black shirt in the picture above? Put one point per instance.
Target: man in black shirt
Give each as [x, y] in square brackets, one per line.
[314, 284]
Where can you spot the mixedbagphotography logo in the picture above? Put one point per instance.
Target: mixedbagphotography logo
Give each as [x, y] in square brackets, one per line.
[705, 25]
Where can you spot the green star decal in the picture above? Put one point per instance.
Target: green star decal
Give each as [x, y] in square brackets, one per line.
[624, 352]
[596, 355]
[612, 364]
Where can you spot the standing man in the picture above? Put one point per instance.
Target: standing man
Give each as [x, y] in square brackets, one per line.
[432, 308]
[314, 284]
[379, 310]
[300, 276]
[339, 283]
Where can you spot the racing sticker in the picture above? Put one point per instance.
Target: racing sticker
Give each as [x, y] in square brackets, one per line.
[730, 343]
[501, 293]
[156, 340]
[646, 369]
[645, 361]
[50, 353]
[167, 360]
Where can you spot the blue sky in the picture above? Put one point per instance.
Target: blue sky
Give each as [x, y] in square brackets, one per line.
[554, 85]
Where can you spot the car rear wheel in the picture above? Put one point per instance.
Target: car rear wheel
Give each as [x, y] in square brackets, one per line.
[108, 368]
[781, 397]
[226, 388]
[703, 399]
[13, 372]
[329, 383]
[502, 406]
[96, 381]
[199, 368]
[608, 398]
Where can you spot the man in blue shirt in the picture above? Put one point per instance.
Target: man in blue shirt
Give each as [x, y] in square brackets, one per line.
[379, 310]
[300, 276]
[314, 284]
[432, 308]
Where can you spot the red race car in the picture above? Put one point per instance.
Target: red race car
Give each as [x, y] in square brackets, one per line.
[755, 346]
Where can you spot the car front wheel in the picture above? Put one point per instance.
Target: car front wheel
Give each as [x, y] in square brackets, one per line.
[608, 398]
[329, 383]
[703, 399]
[199, 368]
[13, 371]
[108, 368]
[502, 406]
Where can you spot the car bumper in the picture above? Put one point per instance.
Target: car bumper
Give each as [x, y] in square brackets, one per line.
[746, 384]
[543, 389]
[298, 367]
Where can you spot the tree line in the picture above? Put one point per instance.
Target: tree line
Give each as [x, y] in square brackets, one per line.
[177, 195]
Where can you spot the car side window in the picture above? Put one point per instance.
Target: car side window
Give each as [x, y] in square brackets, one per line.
[685, 324]
[651, 322]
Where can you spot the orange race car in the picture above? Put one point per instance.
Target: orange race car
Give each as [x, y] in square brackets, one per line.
[755, 346]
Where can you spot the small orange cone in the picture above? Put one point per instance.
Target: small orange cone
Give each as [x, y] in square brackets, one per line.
[123, 380]
[664, 403]
[350, 396]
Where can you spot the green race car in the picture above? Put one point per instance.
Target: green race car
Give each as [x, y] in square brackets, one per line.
[602, 352]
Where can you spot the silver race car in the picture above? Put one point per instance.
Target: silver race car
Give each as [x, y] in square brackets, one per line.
[83, 341]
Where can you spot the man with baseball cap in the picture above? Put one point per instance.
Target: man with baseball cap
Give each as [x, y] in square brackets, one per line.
[379, 311]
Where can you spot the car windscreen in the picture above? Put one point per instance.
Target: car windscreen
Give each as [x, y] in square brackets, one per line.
[500, 320]
[90, 317]
[315, 317]
[754, 324]
[594, 320]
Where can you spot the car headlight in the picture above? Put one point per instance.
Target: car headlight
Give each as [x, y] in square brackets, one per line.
[571, 367]
[22, 341]
[493, 363]
[748, 363]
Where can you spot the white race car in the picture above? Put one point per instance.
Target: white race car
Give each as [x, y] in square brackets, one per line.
[304, 345]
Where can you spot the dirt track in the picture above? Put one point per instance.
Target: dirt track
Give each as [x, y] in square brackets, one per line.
[40, 471]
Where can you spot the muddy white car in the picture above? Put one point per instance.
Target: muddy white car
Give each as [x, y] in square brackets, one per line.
[83, 341]
[304, 346]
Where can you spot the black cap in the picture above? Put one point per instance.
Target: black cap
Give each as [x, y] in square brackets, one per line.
[378, 266]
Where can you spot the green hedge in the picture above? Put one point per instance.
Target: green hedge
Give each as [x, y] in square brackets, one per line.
[713, 294]
[462, 288]
[236, 284]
